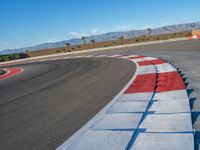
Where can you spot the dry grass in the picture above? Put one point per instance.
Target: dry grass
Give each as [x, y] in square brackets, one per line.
[109, 43]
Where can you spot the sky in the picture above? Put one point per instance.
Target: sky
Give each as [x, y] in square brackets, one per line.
[29, 22]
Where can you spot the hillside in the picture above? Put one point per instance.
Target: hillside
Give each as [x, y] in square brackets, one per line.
[108, 37]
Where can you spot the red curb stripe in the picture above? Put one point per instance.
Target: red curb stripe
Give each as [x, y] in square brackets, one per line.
[150, 62]
[11, 72]
[169, 81]
[142, 83]
[194, 37]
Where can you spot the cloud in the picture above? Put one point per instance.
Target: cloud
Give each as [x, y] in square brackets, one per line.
[120, 27]
[93, 31]
[145, 27]
[167, 23]
[51, 40]
[77, 34]
[127, 27]
[97, 31]
[124, 27]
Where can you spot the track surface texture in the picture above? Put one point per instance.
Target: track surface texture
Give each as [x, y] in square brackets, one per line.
[184, 54]
[49, 101]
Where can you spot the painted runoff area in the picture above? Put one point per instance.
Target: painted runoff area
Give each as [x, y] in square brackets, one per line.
[9, 72]
[152, 112]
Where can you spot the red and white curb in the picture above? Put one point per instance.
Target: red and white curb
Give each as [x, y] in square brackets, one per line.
[152, 112]
[194, 37]
[10, 72]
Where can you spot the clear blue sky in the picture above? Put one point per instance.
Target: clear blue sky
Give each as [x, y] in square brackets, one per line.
[29, 22]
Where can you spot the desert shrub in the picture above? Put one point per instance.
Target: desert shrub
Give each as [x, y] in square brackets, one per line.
[58, 51]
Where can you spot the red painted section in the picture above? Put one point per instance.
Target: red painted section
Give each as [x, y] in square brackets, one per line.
[11, 72]
[151, 62]
[194, 37]
[144, 63]
[169, 81]
[142, 83]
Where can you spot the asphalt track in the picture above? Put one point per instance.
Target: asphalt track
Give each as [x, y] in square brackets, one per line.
[49, 101]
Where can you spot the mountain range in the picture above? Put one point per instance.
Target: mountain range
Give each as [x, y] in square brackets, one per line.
[108, 37]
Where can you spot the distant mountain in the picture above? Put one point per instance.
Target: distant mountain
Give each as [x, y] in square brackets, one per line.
[108, 37]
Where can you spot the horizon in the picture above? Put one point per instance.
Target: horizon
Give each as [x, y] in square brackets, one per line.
[96, 35]
[23, 26]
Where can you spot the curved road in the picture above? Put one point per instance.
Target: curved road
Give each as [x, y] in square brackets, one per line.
[49, 101]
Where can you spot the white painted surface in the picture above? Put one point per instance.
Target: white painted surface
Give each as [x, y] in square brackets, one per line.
[136, 97]
[161, 68]
[100, 140]
[146, 70]
[118, 121]
[177, 122]
[150, 58]
[128, 107]
[143, 59]
[171, 106]
[164, 141]
[176, 95]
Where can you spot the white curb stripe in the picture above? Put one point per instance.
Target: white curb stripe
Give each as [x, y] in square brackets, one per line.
[165, 141]
[146, 69]
[161, 68]
[136, 97]
[128, 107]
[167, 123]
[118, 121]
[100, 140]
[170, 106]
